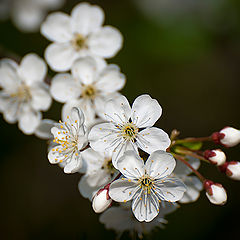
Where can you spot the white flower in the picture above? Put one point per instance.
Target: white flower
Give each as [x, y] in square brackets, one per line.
[121, 219]
[193, 184]
[146, 184]
[101, 201]
[98, 171]
[216, 156]
[71, 138]
[215, 192]
[79, 35]
[27, 15]
[89, 86]
[24, 93]
[123, 133]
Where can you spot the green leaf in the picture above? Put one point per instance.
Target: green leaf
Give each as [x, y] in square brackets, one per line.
[192, 145]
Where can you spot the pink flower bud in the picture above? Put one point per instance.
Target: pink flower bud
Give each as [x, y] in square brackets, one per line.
[228, 137]
[232, 169]
[215, 192]
[216, 156]
[101, 201]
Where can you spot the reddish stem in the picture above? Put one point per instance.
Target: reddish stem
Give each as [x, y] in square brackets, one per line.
[182, 159]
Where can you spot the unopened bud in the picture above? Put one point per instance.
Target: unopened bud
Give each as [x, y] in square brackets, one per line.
[215, 192]
[228, 137]
[216, 157]
[232, 169]
[101, 200]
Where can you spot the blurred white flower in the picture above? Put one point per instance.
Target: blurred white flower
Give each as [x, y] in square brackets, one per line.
[121, 219]
[27, 15]
[24, 93]
[147, 184]
[91, 83]
[121, 133]
[43, 130]
[193, 184]
[98, 171]
[79, 35]
[70, 137]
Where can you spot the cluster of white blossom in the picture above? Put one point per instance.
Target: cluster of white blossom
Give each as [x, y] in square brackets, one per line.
[123, 159]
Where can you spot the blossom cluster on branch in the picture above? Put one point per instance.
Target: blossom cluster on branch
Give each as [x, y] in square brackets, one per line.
[133, 172]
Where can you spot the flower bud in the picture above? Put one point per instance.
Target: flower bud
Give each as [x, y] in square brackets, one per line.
[101, 200]
[232, 169]
[216, 156]
[215, 192]
[228, 136]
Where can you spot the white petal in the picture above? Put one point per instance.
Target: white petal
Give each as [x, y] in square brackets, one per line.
[170, 189]
[123, 190]
[101, 100]
[153, 139]
[145, 111]
[27, 17]
[74, 165]
[11, 110]
[111, 80]
[104, 137]
[118, 110]
[29, 120]
[92, 161]
[160, 164]
[5, 99]
[60, 56]
[41, 99]
[90, 184]
[84, 70]
[8, 75]
[64, 88]
[84, 105]
[194, 186]
[131, 165]
[77, 116]
[57, 27]
[86, 18]
[121, 223]
[106, 42]
[43, 130]
[32, 69]
[122, 147]
[145, 207]
[182, 169]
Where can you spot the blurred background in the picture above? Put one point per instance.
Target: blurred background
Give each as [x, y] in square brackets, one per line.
[186, 54]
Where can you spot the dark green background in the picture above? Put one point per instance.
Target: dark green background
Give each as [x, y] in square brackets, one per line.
[194, 72]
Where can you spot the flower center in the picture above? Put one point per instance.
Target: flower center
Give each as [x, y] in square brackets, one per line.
[79, 42]
[23, 93]
[146, 184]
[129, 131]
[89, 91]
[108, 166]
[68, 139]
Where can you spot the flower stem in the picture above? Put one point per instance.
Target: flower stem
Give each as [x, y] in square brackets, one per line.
[192, 139]
[185, 151]
[182, 159]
